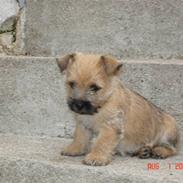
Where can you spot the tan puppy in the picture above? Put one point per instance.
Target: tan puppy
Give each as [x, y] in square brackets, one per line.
[123, 121]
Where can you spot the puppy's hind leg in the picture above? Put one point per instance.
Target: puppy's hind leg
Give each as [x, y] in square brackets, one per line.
[169, 142]
[144, 152]
[156, 152]
[168, 147]
[162, 152]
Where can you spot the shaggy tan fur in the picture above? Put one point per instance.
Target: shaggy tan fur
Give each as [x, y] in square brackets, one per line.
[126, 122]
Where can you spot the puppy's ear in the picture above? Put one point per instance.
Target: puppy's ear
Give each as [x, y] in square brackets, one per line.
[111, 65]
[65, 61]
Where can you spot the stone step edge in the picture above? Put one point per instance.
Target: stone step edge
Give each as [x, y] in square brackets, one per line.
[40, 162]
[129, 61]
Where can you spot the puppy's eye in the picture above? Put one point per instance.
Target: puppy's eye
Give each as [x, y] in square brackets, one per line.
[72, 84]
[95, 87]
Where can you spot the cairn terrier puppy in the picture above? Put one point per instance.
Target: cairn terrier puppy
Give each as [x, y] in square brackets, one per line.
[124, 121]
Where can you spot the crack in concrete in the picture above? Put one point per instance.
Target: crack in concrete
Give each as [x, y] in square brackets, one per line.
[12, 29]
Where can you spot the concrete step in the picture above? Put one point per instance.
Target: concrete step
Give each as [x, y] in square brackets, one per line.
[138, 29]
[32, 93]
[26, 159]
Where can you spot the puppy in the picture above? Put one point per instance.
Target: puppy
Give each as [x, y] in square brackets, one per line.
[124, 121]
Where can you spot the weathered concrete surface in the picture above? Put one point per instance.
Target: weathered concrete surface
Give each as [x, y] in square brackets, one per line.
[8, 14]
[8, 17]
[19, 45]
[6, 38]
[12, 27]
[125, 28]
[32, 93]
[38, 160]
[32, 97]
[21, 3]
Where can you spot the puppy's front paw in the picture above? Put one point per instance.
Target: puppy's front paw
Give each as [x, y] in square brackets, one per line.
[96, 160]
[72, 151]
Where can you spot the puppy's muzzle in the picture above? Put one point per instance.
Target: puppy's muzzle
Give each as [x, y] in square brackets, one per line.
[81, 106]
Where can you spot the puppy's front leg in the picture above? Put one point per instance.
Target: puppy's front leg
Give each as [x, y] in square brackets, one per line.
[79, 146]
[103, 148]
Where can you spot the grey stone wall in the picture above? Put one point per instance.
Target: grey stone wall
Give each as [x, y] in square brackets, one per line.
[124, 28]
[33, 98]
[127, 29]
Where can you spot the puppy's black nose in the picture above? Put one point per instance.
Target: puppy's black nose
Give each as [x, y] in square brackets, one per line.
[79, 104]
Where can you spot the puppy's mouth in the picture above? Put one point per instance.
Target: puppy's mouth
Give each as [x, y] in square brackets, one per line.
[82, 106]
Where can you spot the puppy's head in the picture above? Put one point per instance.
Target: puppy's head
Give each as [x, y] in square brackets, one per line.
[89, 80]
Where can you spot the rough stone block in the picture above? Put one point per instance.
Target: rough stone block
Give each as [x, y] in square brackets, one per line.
[38, 160]
[33, 98]
[8, 15]
[125, 28]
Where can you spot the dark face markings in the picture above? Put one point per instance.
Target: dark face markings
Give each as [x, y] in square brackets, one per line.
[81, 106]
